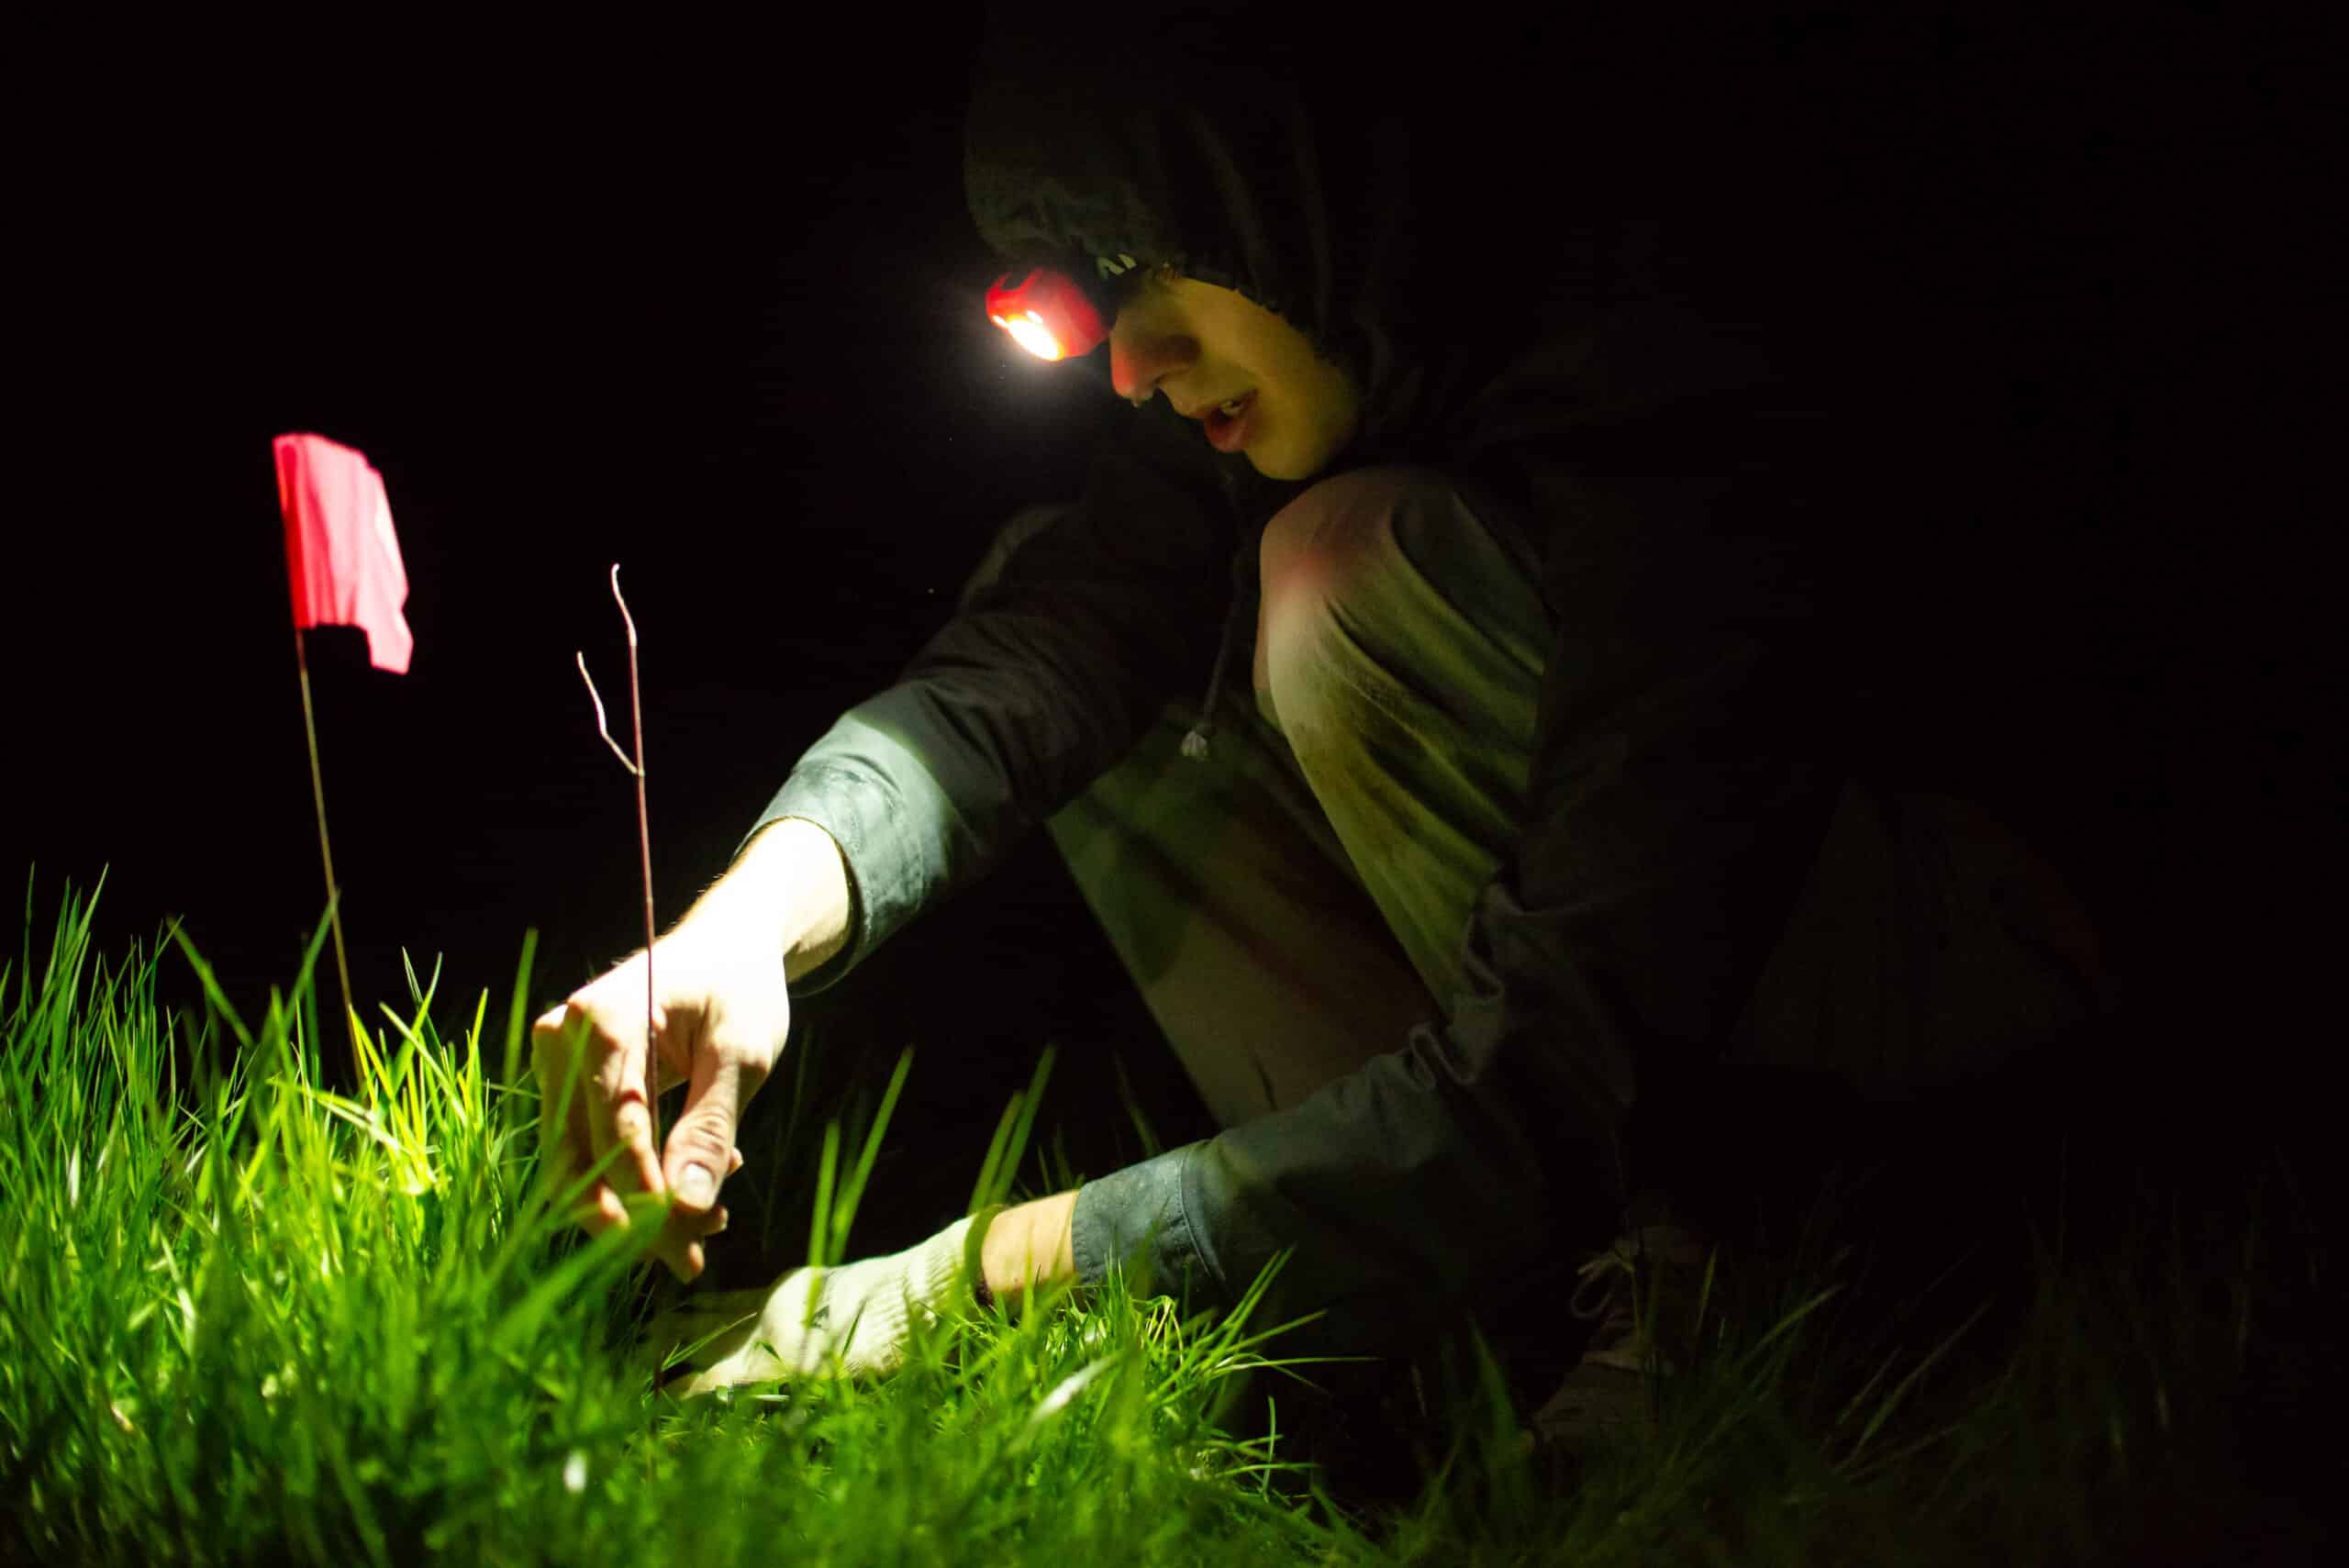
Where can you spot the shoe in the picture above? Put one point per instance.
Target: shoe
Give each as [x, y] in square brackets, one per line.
[1643, 1292]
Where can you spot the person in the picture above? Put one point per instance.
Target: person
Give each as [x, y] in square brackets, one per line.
[1543, 779]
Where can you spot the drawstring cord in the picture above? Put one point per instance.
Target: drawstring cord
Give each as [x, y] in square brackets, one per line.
[1195, 743]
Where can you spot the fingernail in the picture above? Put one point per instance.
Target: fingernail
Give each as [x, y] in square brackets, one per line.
[696, 1186]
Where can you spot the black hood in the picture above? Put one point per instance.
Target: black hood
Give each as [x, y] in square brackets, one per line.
[1440, 214]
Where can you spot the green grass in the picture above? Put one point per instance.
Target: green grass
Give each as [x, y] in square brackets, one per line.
[243, 1318]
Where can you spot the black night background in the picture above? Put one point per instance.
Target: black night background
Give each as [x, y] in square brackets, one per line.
[707, 305]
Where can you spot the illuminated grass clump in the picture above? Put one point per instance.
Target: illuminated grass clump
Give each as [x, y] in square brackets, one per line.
[244, 1319]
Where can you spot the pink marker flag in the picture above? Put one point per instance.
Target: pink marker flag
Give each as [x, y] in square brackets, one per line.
[341, 557]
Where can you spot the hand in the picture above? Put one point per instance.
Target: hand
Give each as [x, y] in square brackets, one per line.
[721, 1014]
[861, 1313]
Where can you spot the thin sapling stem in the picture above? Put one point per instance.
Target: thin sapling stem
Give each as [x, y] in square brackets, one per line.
[643, 835]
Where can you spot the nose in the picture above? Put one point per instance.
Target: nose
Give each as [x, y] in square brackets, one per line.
[1140, 360]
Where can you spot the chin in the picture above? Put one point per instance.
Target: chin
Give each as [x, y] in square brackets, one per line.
[1282, 466]
[1315, 455]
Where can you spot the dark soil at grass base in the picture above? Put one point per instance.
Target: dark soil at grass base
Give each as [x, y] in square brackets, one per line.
[2252, 1470]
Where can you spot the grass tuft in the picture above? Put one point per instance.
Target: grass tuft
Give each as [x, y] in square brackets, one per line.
[245, 1317]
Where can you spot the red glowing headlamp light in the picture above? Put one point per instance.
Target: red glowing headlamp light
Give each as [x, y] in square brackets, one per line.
[1047, 315]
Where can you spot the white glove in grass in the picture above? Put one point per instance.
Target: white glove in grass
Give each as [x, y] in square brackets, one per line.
[862, 1313]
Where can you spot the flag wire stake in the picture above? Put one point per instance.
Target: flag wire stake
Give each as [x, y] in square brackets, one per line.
[326, 853]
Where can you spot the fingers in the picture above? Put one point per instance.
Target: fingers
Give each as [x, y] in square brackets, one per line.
[680, 1243]
[585, 1111]
[701, 1152]
[598, 1116]
[619, 1118]
[612, 1105]
[630, 1127]
[565, 1140]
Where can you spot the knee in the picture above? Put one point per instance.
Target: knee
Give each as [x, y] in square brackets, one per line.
[1322, 558]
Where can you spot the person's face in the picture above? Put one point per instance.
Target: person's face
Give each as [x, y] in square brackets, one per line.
[1202, 345]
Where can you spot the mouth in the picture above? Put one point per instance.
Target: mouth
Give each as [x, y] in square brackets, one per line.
[1231, 424]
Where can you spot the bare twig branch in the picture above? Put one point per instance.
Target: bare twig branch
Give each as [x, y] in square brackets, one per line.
[625, 616]
[600, 728]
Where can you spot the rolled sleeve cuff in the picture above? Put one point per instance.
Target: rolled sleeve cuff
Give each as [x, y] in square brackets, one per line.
[891, 821]
[1139, 1217]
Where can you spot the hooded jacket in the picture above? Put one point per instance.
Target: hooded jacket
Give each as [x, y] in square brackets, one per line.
[1649, 407]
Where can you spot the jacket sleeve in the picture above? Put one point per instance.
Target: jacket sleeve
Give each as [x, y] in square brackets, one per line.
[1041, 683]
[1674, 799]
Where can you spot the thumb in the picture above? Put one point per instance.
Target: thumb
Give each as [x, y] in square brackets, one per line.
[699, 1154]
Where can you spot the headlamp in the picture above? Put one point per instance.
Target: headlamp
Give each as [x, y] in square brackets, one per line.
[1047, 314]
